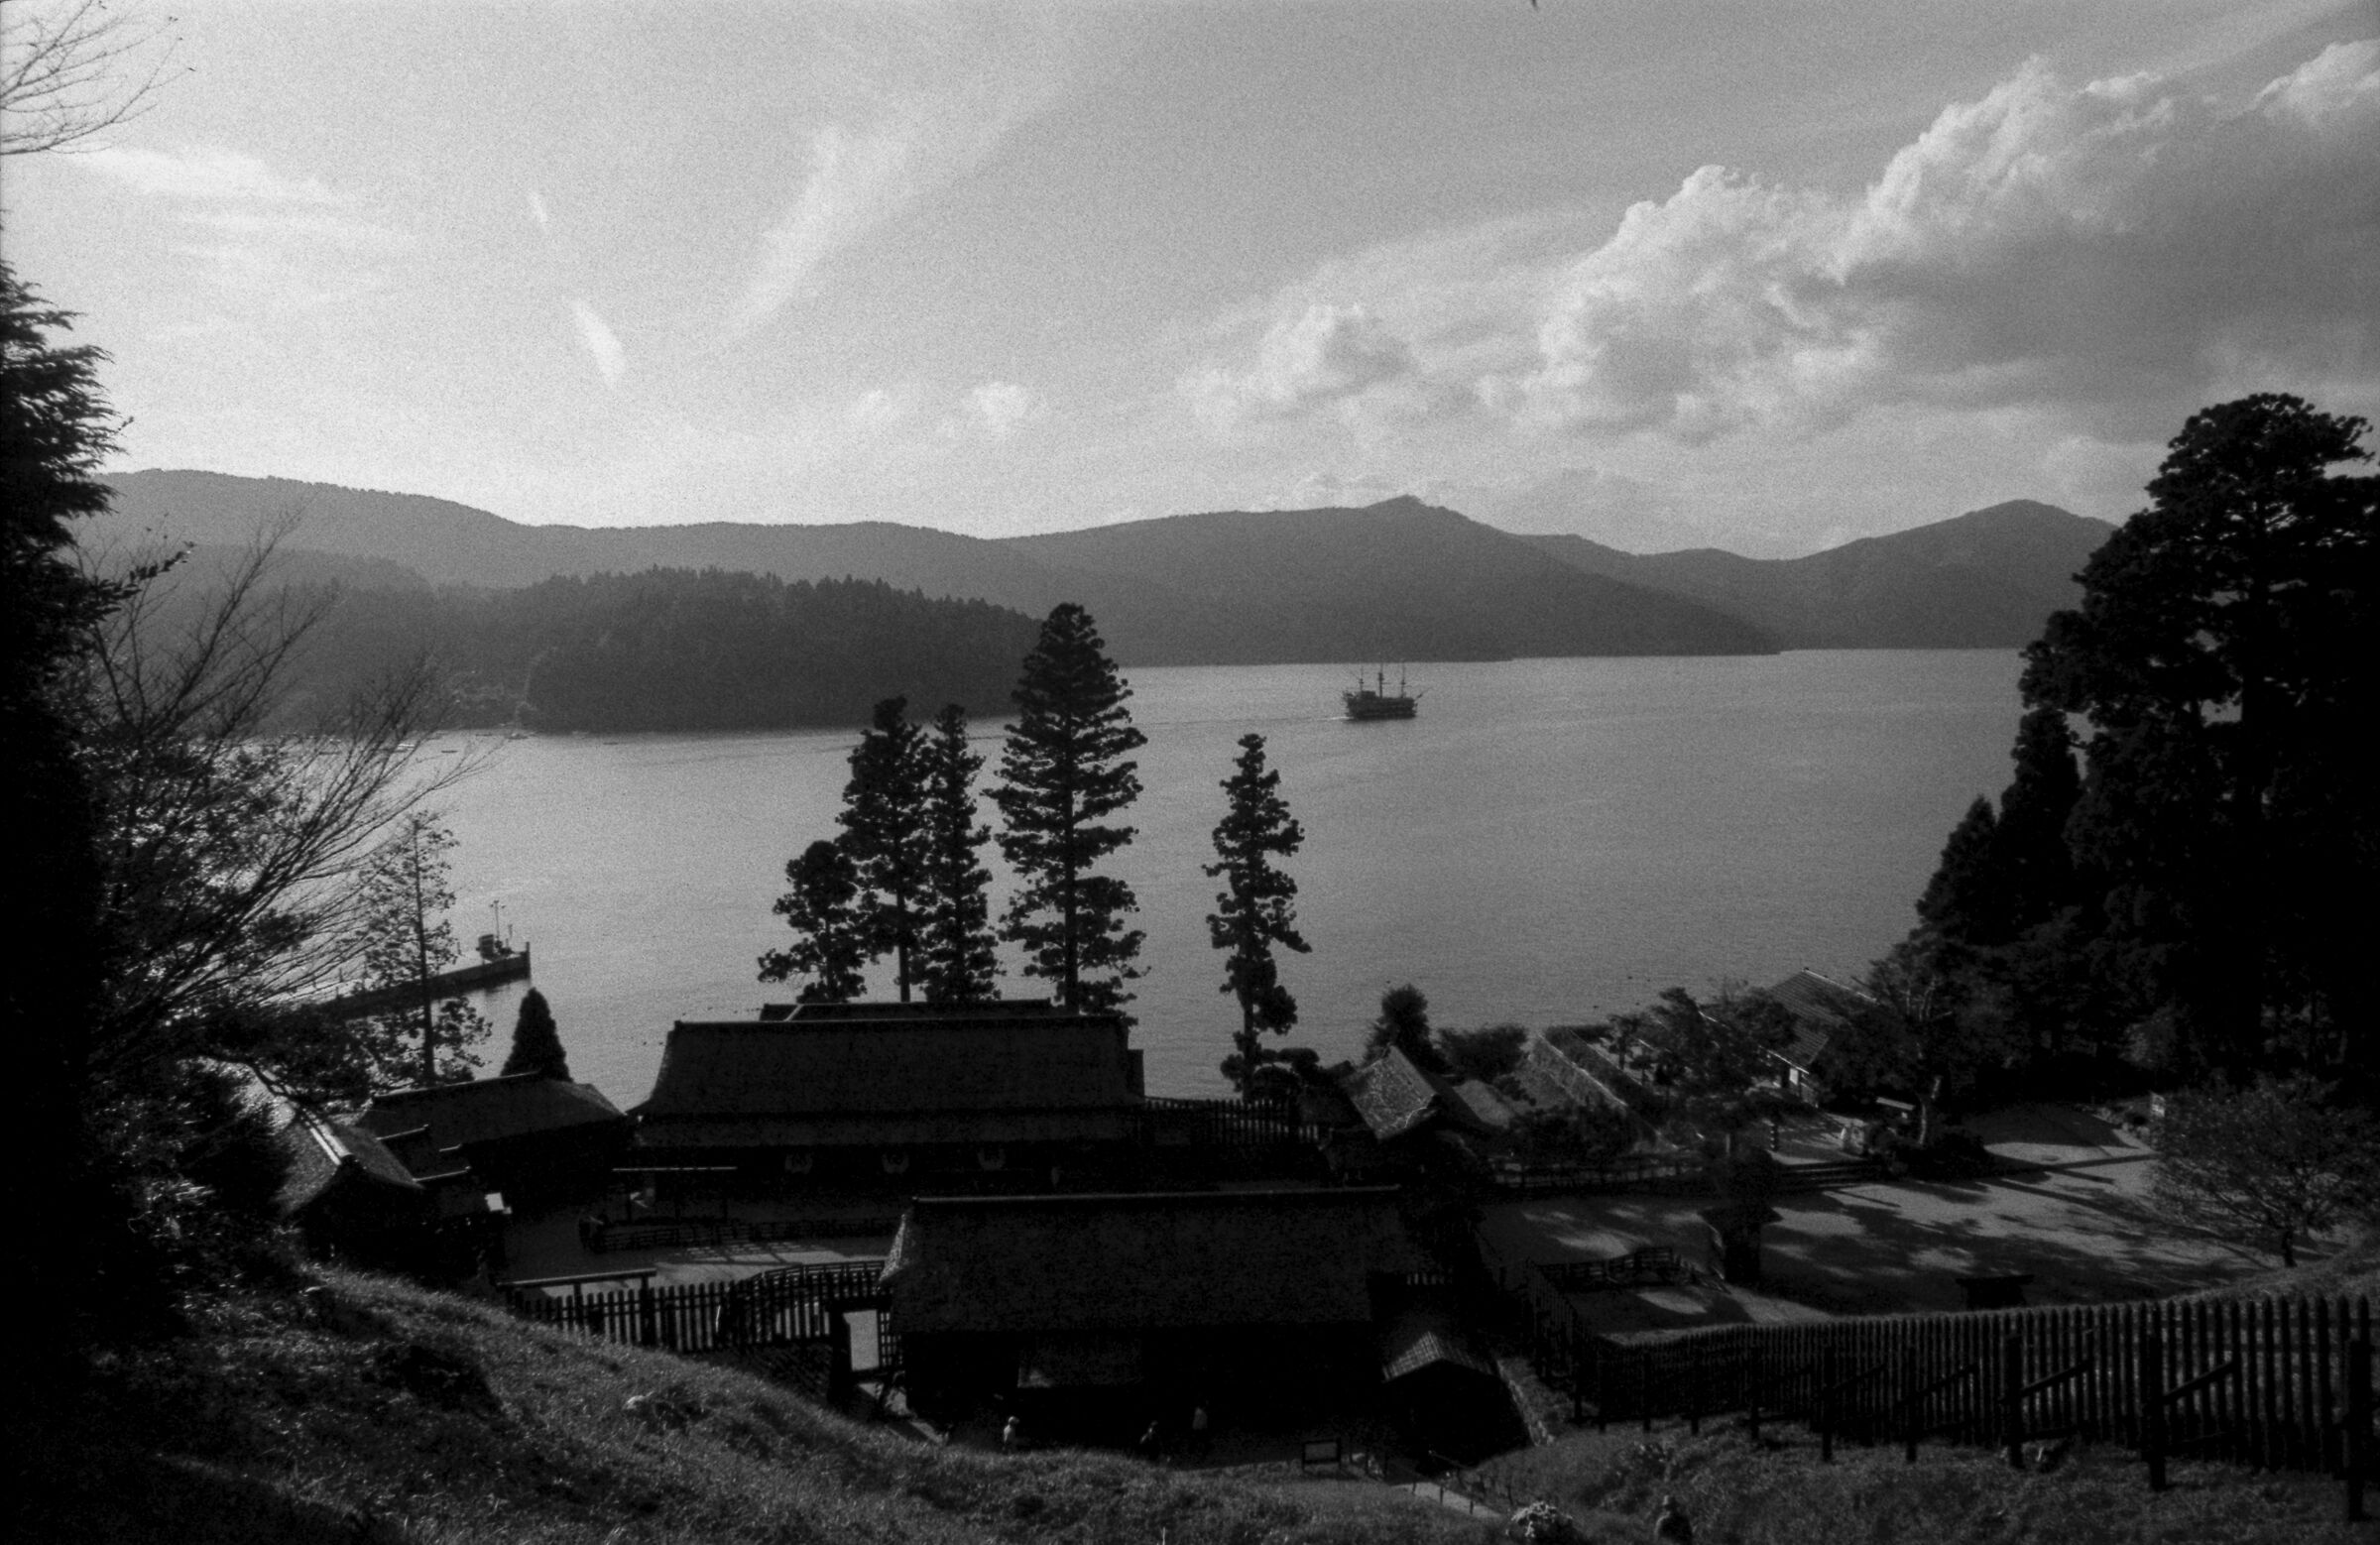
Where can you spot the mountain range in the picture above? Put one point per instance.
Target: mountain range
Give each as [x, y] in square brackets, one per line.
[1395, 580]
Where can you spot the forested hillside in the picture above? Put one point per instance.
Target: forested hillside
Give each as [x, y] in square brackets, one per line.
[664, 649]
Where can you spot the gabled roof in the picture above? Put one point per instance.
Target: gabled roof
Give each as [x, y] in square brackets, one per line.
[1392, 1095]
[1820, 1008]
[1420, 1339]
[1150, 1261]
[321, 1150]
[490, 1110]
[877, 1073]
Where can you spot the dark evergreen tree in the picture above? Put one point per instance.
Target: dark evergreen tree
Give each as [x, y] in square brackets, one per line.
[2037, 869]
[883, 834]
[1257, 910]
[960, 964]
[1404, 1023]
[1966, 900]
[537, 1040]
[55, 428]
[1063, 772]
[830, 941]
[2227, 653]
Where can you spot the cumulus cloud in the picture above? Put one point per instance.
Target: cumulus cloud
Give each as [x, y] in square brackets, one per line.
[1328, 355]
[537, 211]
[997, 409]
[2109, 247]
[603, 346]
[2111, 251]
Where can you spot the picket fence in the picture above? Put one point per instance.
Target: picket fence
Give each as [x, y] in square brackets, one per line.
[2278, 1384]
[793, 1306]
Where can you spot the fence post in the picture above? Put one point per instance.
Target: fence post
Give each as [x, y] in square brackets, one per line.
[649, 1330]
[1826, 1406]
[1908, 1405]
[2152, 1405]
[2359, 1422]
[2012, 1397]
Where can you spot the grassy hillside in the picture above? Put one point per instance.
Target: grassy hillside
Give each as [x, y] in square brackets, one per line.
[414, 1416]
[409, 1416]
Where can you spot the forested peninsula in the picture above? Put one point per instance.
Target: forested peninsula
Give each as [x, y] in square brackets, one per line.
[666, 649]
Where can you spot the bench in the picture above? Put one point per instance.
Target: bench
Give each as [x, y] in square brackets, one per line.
[1321, 1451]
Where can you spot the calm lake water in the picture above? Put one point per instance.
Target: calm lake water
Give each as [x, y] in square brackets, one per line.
[1549, 841]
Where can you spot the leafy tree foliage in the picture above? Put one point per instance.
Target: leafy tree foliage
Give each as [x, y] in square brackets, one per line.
[537, 1040]
[1063, 772]
[405, 938]
[1588, 1134]
[1486, 1054]
[960, 963]
[2268, 1165]
[1257, 910]
[1404, 1023]
[2225, 653]
[830, 938]
[884, 835]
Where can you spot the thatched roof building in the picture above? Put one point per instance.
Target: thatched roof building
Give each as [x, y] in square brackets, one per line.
[525, 1132]
[1151, 1262]
[825, 1076]
[346, 1192]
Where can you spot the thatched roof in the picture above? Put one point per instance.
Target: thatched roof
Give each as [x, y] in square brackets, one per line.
[322, 1152]
[834, 1075]
[1820, 1008]
[1422, 1337]
[1392, 1095]
[1157, 1262]
[487, 1109]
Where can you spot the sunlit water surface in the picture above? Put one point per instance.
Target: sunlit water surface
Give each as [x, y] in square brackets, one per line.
[1548, 841]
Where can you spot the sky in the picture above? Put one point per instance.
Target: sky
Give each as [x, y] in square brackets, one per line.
[1662, 272]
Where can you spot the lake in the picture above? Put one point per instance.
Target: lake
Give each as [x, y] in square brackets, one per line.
[1549, 841]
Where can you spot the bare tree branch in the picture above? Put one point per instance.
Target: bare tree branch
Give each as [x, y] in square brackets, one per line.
[70, 70]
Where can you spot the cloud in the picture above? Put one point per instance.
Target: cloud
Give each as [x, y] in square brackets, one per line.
[603, 346]
[997, 409]
[2113, 249]
[537, 211]
[966, 93]
[205, 173]
[1326, 356]
[2110, 253]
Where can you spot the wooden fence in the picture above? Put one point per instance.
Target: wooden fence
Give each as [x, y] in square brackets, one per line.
[794, 1306]
[2277, 1383]
[1226, 1124]
[1670, 1173]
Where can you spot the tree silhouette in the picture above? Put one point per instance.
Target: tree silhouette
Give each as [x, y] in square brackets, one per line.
[959, 962]
[2227, 653]
[1062, 773]
[830, 940]
[1257, 910]
[1404, 1023]
[537, 1040]
[405, 940]
[883, 834]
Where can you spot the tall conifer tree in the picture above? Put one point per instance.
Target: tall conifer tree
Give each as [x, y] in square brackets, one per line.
[1063, 772]
[883, 834]
[1966, 900]
[1257, 909]
[2037, 867]
[537, 1041]
[830, 944]
[959, 965]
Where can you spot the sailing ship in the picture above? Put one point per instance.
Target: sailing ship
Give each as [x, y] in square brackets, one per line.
[1376, 701]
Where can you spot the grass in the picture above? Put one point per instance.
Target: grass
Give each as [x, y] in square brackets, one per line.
[1777, 1493]
[412, 1416]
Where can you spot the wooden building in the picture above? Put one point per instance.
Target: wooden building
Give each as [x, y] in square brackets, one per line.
[527, 1136]
[347, 1194]
[1822, 1011]
[851, 1091]
[1150, 1301]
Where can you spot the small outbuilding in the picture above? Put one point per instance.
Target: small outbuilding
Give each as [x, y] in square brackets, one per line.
[348, 1194]
[527, 1136]
[1822, 1009]
[1147, 1300]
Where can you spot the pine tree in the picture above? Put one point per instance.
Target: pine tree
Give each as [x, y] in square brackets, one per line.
[830, 945]
[959, 965]
[1257, 909]
[405, 939]
[2037, 869]
[883, 835]
[1966, 900]
[1404, 1023]
[1062, 772]
[537, 1042]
